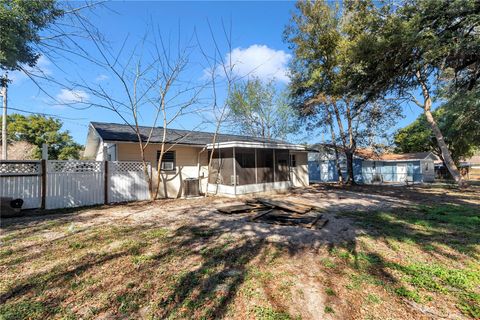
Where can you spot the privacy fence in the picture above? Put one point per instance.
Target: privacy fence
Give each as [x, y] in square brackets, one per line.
[54, 184]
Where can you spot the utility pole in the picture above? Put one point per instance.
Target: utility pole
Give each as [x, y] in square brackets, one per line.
[4, 83]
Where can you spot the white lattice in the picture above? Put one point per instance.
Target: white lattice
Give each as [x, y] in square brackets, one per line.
[70, 166]
[20, 168]
[126, 166]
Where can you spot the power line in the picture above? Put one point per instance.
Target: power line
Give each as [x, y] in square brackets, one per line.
[66, 119]
[46, 114]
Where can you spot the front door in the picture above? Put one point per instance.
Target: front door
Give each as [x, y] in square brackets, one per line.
[324, 171]
[401, 172]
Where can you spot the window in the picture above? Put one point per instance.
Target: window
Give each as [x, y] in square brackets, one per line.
[293, 160]
[168, 160]
[426, 166]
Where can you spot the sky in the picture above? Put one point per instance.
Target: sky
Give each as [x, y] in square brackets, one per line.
[257, 48]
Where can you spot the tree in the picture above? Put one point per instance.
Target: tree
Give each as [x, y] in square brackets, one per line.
[20, 24]
[459, 122]
[416, 47]
[37, 130]
[321, 37]
[152, 83]
[258, 110]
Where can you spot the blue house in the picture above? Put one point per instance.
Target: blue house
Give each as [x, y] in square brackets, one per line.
[372, 168]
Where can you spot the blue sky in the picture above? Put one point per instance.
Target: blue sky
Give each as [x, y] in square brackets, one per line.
[256, 34]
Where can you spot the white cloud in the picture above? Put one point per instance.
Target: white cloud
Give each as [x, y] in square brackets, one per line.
[260, 61]
[72, 96]
[41, 69]
[101, 77]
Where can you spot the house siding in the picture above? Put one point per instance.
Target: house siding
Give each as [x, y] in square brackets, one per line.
[192, 162]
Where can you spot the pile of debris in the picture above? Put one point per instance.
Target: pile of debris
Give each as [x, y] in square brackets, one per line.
[280, 212]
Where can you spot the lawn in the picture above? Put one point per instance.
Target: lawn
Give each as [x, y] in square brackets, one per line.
[180, 259]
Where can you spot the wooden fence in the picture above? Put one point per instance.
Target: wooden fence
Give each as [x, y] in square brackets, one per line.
[54, 184]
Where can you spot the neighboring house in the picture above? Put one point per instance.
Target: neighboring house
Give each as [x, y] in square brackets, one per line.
[369, 167]
[240, 164]
[470, 168]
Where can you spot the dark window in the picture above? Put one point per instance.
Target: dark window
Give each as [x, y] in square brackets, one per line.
[168, 160]
[293, 160]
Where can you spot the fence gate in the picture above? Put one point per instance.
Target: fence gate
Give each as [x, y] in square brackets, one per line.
[74, 183]
[127, 181]
[22, 179]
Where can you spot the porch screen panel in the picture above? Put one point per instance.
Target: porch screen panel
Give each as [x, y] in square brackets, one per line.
[222, 166]
[245, 162]
[264, 165]
[282, 172]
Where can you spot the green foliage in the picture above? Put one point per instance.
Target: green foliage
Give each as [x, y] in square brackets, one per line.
[322, 37]
[258, 110]
[37, 129]
[20, 24]
[437, 39]
[459, 122]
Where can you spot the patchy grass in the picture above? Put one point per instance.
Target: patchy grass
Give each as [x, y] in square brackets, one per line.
[425, 254]
[66, 268]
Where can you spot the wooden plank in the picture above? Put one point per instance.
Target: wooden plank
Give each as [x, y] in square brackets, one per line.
[305, 203]
[260, 214]
[285, 205]
[319, 223]
[236, 208]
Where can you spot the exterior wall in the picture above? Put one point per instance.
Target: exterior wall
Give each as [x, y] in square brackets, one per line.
[428, 170]
[186, 161]
[192, 162]
[299, 174]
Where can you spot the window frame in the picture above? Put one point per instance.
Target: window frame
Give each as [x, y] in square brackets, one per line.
[174, 169]
[292, 159]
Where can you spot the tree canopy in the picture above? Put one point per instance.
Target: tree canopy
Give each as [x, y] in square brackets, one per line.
[20, 24]
[257, 109]
[37, 130]
[425, 46]
[322, 37]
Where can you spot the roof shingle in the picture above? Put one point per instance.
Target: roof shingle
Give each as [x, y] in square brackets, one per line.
[123, 132]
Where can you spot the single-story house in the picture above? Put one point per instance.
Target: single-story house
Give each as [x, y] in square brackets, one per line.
[470, 167]
[240, 164]
[370, 167]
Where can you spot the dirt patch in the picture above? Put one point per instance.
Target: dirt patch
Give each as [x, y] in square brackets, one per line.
[386, 252]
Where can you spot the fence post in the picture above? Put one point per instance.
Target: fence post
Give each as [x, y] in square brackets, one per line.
[105, 173]
[44, 182]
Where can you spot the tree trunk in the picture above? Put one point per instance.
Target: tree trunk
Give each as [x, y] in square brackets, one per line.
[351, 177]
[447, 157]
[335, 149]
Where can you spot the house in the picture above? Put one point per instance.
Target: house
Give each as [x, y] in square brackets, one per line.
[370, 167]
[240, 164]
[470, 167]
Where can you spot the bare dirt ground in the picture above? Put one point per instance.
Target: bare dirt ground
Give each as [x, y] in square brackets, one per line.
[385, 253]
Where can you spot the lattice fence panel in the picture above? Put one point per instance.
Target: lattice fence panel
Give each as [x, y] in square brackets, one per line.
[126, 166]
[74, 166]
[127, 181]
[20, 168]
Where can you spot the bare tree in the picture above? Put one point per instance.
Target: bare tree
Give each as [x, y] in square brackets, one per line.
[150, 82]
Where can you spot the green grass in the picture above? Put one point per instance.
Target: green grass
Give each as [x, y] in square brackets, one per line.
[328, 309]
[423, 230]
[330, 292]
[267, 313]
[24, 310]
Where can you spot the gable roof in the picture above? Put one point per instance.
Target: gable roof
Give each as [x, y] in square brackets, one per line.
[124, 133]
